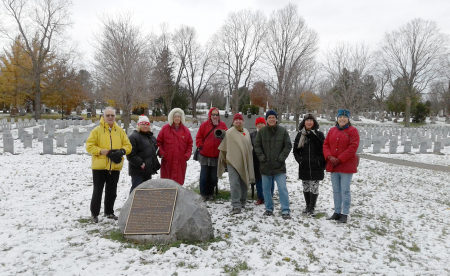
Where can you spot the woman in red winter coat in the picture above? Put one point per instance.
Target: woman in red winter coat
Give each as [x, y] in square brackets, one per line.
[339, 149]
[208, 156]
[175, 147]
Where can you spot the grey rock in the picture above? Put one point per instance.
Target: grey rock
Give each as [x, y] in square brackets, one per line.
[191, 220]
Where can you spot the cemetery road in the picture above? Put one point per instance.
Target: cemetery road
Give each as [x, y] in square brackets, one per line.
[407, 163]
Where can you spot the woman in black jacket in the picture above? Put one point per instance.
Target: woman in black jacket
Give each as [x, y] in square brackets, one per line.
[308, 152]
[142, 159]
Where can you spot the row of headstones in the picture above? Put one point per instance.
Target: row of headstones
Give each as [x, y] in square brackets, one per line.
[423, 146]
[73, 140]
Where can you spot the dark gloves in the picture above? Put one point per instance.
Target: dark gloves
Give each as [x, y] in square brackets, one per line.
[335, 161]
[116, 156]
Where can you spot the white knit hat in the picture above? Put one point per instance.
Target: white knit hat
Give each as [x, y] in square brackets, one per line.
[143, 119]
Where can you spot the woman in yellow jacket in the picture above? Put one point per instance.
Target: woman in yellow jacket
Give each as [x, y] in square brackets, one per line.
[107, 143]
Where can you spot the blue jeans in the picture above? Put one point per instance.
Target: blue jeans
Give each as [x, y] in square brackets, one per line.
[259, 188]
[341, 192]
[268, 185]
[208, 180]
[137, 180]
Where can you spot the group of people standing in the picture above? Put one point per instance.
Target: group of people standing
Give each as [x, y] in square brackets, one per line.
[258, 157]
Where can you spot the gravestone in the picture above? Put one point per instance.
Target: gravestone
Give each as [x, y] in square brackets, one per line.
[71, 146]
[8, 144]
[191, 220]
[423, 147]
[360, 147]
[80, 139]
[75, 132]
[35, 132]
[376, 146]
[407, 147]
[48, 145]
[367, 142]
[415, 142]
[41, 135]
[51, 133]
[393, 147]
[437, 147]
[28, 142]
[60, 141]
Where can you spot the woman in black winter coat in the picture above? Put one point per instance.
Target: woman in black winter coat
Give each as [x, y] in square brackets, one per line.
[143, 154]
[308, 152]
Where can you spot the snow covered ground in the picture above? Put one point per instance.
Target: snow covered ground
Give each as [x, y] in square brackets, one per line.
[399, 224]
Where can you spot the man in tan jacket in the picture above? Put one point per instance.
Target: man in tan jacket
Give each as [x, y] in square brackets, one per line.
[236, 154]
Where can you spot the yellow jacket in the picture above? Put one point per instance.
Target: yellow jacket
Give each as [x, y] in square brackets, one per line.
[102, 138]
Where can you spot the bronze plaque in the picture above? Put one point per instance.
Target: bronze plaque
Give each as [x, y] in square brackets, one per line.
[151, 211]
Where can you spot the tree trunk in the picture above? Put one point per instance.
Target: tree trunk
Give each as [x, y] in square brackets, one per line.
[407, 112]
[126, 119]
[297, 121]
[37, 109]
[194, 107]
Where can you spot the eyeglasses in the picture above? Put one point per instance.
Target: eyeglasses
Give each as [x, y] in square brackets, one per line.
[215, 115]
[144, 123]
[110, 115]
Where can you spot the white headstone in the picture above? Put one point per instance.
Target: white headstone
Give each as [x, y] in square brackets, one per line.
[71, 146]
[48, 145]
[8, 145]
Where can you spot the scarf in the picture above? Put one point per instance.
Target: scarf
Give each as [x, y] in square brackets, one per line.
[342, 128]
[215, 121]
[302, 141]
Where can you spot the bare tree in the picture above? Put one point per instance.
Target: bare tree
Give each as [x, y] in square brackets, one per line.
[289, 43]
[381, 92]
[347, 69]
[304, 80]
[40, 23]
[238, 47]
[199, 69]
[122, 63]
[411, 53]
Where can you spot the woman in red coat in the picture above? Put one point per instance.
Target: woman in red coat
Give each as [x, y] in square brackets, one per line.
[175, 147]
[209, 153]
[339, 149]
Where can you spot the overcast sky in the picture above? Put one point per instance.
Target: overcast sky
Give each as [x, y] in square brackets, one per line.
[334, 20]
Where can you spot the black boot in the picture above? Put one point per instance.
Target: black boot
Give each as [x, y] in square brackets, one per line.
[307, 196]
[335, 216]
[343, 219]
[312, 204]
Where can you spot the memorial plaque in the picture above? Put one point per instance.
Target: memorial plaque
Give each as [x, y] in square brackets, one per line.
[151, 211]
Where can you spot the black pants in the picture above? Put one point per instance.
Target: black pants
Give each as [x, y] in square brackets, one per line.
[208, 180]
[101, 177]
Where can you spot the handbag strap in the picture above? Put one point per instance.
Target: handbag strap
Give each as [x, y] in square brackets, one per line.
[208, 133]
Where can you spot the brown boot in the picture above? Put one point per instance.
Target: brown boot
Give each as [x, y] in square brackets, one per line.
[259, 202]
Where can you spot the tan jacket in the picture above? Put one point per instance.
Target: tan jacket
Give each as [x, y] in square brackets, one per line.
[236, 149]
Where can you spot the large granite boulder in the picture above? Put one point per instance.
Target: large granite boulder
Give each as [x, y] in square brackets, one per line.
[191, 220]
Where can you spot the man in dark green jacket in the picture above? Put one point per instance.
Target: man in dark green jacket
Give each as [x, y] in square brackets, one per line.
[272, 147]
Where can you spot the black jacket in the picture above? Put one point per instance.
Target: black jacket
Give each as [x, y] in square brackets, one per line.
[255, 158]
[272, 147]
[311, 163]
[144, 149]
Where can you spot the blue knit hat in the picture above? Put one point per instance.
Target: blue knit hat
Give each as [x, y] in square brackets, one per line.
[343, 112]
[271, 112]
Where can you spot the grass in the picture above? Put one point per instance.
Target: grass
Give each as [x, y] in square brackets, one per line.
[413, 124]
[233, 270]
[117, 235]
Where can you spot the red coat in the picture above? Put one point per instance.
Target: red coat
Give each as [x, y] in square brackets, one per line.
[175, 148]
[209, 147]
[343, 146]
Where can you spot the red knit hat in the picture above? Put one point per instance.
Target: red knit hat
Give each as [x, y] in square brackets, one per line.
[238, 116]
[260, 120]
